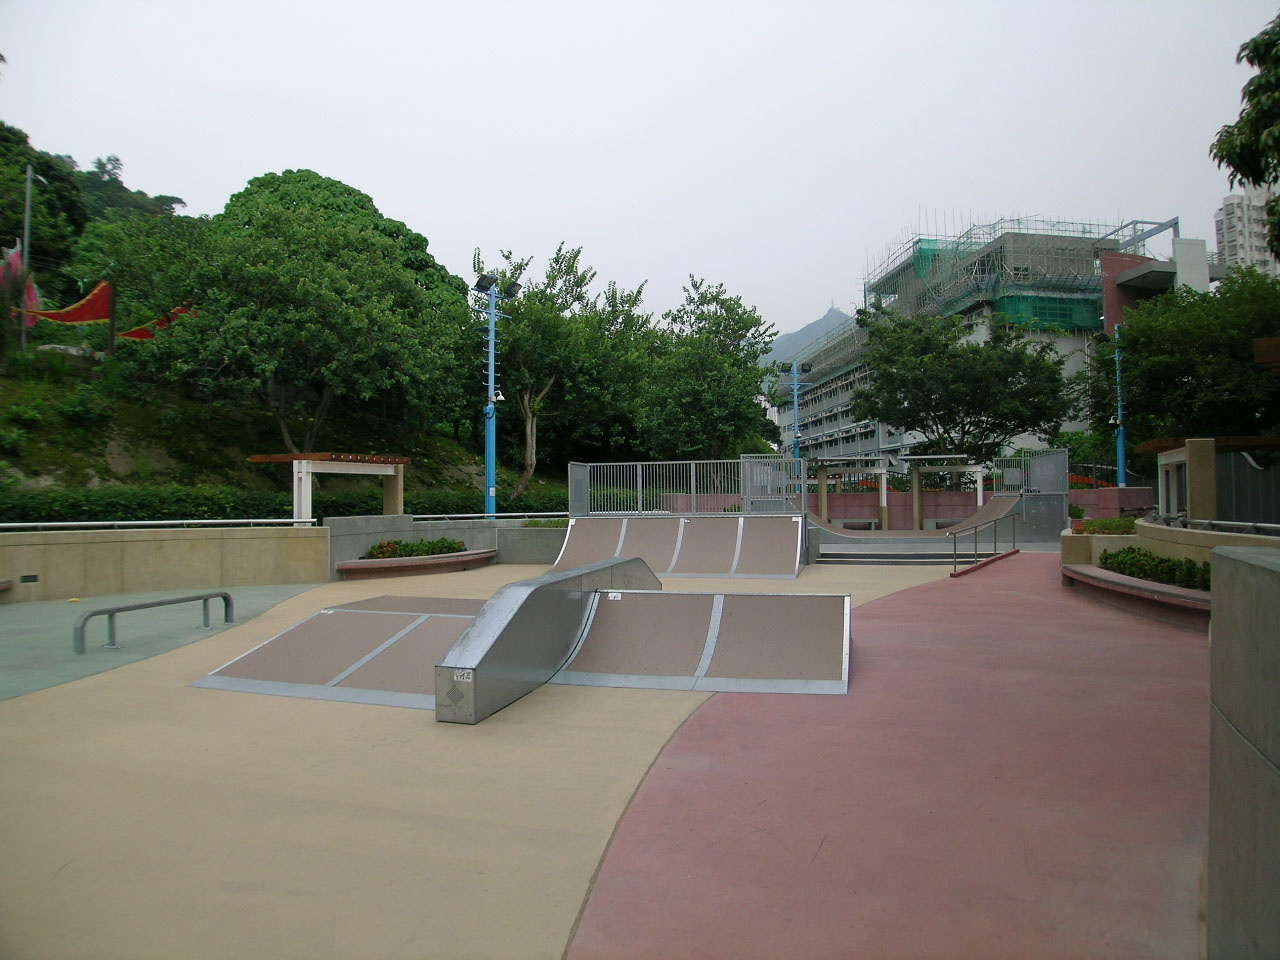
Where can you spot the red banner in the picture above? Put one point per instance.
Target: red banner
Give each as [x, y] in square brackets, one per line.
[94, 308]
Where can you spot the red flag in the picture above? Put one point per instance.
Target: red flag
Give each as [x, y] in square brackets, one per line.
[92, 309]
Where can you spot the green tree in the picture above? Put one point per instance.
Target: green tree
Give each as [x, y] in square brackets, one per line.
[308, 297]
[704, 397]
[1251, 145]
[927, 374]
[1187, 363]
[109, 199]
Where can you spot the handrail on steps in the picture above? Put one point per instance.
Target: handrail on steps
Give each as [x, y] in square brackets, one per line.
[995, 548]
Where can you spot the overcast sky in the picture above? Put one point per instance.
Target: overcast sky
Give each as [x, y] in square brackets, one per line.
[776, 147]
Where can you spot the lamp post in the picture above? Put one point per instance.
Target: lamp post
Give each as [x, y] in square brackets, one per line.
[795, 370]
[487, 284]
[26, 248]
[1121, 478]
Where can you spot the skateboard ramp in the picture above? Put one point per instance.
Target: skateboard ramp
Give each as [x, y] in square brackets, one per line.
[701, 546]
[995, 508]
[747, 643]
[380, 651]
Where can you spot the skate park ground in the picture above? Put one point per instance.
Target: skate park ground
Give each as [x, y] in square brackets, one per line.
[1015, 771]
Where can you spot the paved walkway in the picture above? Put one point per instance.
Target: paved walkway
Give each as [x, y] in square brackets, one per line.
[141, 817]
[1017, 772]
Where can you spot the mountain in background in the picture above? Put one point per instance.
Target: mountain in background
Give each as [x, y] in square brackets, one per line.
[789, 344]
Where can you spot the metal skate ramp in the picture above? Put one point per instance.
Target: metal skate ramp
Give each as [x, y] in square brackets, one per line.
[765, 547]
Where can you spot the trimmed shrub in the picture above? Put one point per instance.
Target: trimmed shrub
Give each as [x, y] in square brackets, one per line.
[1145, 565]
[1110, 525]
[413, 548]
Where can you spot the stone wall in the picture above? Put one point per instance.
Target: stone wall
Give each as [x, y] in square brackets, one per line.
[1243, 912]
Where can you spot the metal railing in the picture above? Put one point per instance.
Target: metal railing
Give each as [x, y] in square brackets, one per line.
[489, 516]
[149, 524]
[1220, 526]
[77, 633]
[749, 485]
[995, 546]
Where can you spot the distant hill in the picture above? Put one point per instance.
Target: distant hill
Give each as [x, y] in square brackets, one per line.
[789, 344]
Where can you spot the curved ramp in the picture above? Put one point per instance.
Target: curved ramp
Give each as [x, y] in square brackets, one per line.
[996, 508]
[745, 643]
[698, 546]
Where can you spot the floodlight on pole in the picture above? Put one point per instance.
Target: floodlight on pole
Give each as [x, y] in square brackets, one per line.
[487, 284]
[795, 369]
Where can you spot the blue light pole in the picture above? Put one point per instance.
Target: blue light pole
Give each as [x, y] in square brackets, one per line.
[487, 284]
[796, 369]
[1121, 478]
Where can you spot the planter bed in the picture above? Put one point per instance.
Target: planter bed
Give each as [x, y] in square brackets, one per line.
[1162, 601]
[413, 566]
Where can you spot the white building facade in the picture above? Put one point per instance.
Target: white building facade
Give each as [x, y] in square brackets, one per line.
[1241, 228]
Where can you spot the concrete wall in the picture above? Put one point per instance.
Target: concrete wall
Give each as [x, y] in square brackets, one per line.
[88, 563]
[1243, 914]
[1197, 545]
[351, 537]
[1113, 501]
[1087, 548]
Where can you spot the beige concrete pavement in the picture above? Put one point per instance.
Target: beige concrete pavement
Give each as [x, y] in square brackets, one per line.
[140, 817]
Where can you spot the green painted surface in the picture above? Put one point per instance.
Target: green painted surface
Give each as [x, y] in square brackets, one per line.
[36, 638]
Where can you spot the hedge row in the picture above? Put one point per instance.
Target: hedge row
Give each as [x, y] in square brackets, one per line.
[1136, 562]
[177, 502]
[1111, 525]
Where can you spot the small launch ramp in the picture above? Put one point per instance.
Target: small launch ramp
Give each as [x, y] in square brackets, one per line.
[996, 508]
[746, 643]
[380, 651]
[768, 546]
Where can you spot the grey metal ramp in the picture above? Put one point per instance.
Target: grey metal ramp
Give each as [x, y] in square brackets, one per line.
[995, 508]
[653, 539]
[744, 643]
[708, 546]
[524, 634]
[589, 539]
[771, 547]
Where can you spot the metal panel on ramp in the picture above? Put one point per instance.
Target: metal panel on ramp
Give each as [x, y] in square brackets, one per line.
[653, 539]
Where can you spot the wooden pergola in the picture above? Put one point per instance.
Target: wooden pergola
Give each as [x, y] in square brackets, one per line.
[306, 465]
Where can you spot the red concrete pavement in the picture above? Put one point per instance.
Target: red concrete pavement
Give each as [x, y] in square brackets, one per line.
[1017, 771]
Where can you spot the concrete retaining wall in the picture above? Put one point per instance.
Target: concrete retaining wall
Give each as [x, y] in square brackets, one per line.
[1113, 501]
[1244, 774]
[1197, 545]
[1088, 547]
[88, 563]
[351, 537]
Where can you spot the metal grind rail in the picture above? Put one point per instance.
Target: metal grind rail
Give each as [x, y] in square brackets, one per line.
[995, 548]
[77, 633]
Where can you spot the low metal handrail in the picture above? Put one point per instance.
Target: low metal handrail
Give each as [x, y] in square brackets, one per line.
[1223, 526]
[145, 524]
[77, 634]
[486, 516]
[995, 547]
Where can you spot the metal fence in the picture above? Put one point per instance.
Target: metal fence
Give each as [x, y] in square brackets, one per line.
[750, 485]
[1247, 491]
[1039, 472]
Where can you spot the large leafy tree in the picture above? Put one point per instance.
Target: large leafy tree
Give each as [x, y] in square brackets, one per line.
[929, 375]
[309, 298]
[704, 397]
[1250, 147]
[1187, 363]
[107, 198]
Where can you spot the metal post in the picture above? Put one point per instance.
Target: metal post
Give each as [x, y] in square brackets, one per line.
[639, 488]
[205, 603]
[111, 632]
[693, 487]
[491, 413]
[795, 409]
[1120, 471]
[26, 259]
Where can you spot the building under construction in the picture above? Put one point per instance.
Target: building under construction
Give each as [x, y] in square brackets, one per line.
[1041, 274]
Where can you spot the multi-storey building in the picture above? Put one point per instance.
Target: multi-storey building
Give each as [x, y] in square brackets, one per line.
[1241, 228]
[1041, 274]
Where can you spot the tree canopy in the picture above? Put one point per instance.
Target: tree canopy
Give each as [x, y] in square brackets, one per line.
[1250, 147]
[928, 374]
[309, 297]
[1187, 363]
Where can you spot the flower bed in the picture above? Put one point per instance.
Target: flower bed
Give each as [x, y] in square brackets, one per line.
[1145, 565]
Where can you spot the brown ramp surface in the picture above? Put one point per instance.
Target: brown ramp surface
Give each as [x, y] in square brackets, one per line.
[708, 547]
[770, 547]
[746, 643]
[589, 539]
[652, 539]
[382, 651]
[1017, 772]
